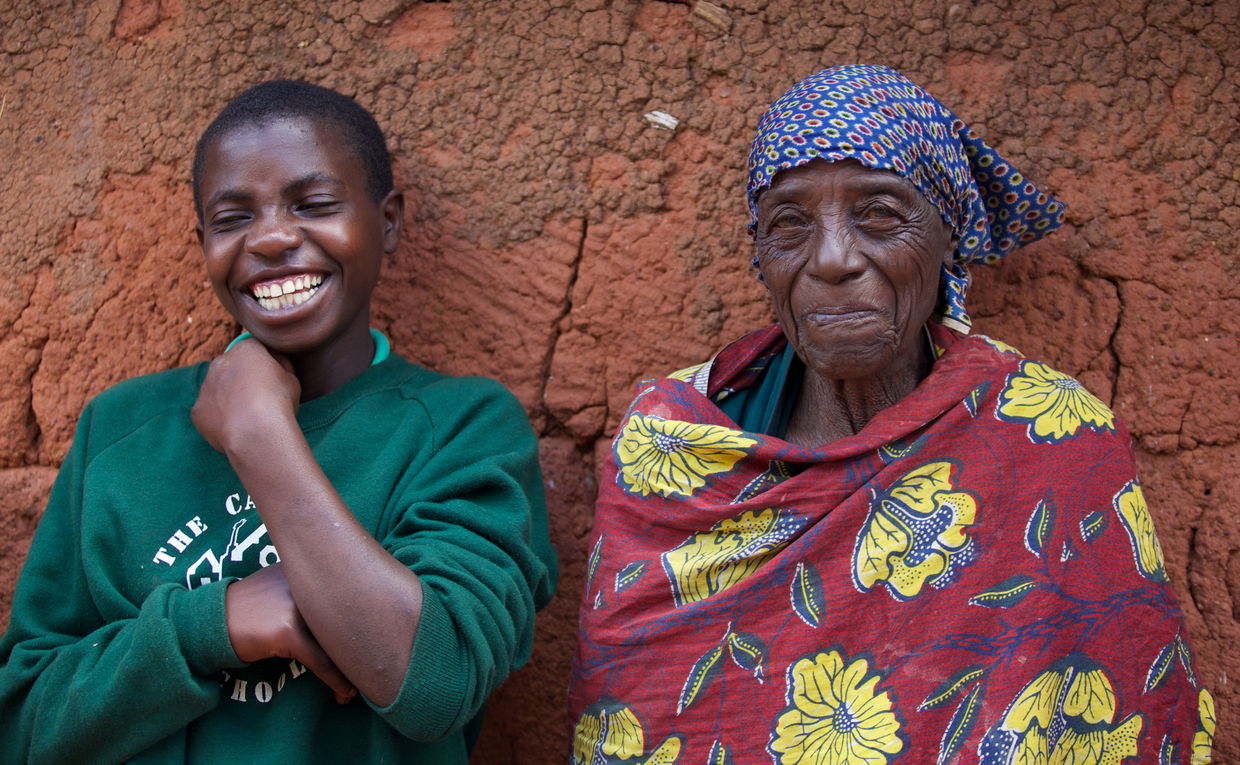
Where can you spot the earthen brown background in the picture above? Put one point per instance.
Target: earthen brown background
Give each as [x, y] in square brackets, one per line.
[560, 243]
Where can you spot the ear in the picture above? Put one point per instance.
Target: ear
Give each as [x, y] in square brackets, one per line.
[392, 210]
[949, 257]
[198, 232]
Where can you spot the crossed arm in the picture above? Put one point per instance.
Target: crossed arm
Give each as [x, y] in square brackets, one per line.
[338, 602]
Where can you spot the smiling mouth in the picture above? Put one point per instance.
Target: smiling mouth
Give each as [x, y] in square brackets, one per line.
[286, 292]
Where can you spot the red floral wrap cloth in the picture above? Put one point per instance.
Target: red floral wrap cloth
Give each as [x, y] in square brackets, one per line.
[974, 577]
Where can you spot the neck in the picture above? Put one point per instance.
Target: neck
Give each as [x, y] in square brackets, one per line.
[829, 409]
[327, 368]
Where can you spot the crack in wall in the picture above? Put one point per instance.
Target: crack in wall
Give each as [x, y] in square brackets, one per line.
[1194, 557]
[1192, 395]
[1109, 347]
[557, 329]
[34, 431]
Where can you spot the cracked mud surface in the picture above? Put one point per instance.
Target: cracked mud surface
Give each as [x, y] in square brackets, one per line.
[559, 242]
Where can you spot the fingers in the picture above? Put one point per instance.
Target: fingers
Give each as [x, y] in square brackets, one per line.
[248, 608]
[263, 622]
[309, 652]
[250, 352]
[304, 648]
[246, 391]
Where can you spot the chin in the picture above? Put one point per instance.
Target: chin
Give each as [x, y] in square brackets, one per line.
[283, 342]
[848, 363]
[851, 358]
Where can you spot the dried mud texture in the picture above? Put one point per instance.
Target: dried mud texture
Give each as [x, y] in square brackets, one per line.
[561, 243]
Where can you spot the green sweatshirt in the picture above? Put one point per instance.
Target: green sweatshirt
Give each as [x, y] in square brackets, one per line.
[117, 648]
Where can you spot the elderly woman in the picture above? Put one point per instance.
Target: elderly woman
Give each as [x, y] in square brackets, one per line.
[862, 535]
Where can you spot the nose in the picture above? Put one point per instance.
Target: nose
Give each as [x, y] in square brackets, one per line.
[273, 233]
[834, 257]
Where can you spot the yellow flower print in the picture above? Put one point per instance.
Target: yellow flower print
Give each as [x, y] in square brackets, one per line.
[712, 561]
[611, 729]
[916, 532]
[686, 374]
[1099, 746]
[674, 458]
[1135, 516]
[609, 732]
[1090, 697]
[835, 715]
[1203, 740]
[1054, 405]
[1035, 705]
[999, 345]
[1076, 699]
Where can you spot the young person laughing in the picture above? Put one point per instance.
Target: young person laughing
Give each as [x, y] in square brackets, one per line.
[307, 550]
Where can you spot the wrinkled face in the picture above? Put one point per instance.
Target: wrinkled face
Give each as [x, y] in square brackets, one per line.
[292, 241]
[851, 257]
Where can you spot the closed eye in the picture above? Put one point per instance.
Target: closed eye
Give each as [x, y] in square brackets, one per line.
[227, 221]
[318, 206]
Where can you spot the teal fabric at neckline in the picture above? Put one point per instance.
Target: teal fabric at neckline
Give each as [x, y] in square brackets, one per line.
[383, 348]
[766, 407]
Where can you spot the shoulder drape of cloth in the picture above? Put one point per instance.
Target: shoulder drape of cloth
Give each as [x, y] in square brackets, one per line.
[974, 577]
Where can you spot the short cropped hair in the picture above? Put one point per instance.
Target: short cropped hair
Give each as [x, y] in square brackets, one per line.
[291, 99]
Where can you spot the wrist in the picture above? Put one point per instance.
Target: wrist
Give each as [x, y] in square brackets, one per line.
[259, 435]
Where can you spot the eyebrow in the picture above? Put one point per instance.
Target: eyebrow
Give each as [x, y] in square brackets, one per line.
[887, 180]
[877, 182]
[235, 195]
[311, 178]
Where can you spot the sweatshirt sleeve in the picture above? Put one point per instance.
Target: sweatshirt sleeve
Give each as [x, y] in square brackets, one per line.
[473, 527]
[76, 686]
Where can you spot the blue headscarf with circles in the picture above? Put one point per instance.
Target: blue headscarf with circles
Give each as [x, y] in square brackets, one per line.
[879, 117]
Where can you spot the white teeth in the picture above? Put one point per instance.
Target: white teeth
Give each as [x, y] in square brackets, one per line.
[291, 292]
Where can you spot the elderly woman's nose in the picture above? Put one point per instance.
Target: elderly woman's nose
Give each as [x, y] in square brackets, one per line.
[834, 257]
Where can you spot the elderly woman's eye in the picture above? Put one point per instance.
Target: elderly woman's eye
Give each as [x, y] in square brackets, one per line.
[785, 222]
[878, 212]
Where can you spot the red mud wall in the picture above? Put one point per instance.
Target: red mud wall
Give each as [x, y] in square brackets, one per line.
[559, 242]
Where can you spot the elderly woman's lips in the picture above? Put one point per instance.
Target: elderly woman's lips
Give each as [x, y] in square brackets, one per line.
[837, 315]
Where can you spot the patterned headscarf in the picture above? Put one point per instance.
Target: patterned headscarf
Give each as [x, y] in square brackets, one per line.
[879, 117]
